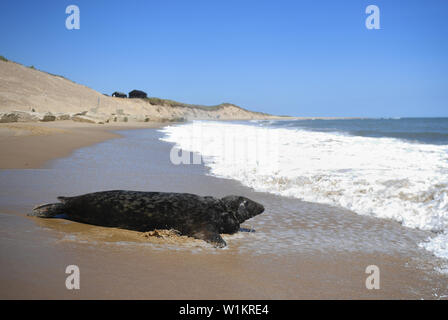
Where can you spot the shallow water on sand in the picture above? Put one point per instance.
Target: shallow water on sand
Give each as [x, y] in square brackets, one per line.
[298, 250]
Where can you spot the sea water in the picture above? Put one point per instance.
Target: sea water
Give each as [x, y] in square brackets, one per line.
[386, 168]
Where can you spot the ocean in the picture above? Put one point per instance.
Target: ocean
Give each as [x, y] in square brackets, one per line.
[393, 169]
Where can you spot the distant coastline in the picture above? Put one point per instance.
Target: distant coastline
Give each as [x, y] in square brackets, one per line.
[32, 95]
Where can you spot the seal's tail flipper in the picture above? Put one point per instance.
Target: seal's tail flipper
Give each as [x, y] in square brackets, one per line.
[49, 210]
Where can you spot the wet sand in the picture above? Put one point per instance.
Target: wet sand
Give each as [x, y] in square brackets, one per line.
[298, 250]
[26, 145]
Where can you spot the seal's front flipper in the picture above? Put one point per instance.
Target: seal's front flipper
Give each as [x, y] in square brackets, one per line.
[50, 210]
[211, 236]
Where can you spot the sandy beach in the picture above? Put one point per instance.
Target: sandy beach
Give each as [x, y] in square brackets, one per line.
[29, 145]
[324, 257]
[223, 150]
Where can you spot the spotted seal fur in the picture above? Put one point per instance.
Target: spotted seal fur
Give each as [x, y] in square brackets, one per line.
[192, 215]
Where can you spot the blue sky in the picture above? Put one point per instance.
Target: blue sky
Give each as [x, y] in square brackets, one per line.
[303, 58]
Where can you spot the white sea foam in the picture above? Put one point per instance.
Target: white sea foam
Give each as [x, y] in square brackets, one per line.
[439, 246]
[381, 177]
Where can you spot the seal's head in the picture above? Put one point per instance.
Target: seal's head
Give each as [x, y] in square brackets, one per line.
[242, 207]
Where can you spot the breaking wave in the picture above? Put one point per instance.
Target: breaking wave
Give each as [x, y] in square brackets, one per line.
[377, 176]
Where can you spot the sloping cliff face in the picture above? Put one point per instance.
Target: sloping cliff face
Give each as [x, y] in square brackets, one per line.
[27, 94]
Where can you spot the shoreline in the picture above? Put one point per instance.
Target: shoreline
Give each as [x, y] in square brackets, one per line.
[30, 145]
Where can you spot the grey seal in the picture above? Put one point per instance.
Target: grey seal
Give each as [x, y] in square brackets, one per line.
[192, 215]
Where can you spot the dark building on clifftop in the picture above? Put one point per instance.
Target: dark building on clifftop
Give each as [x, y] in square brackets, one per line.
[137, 94]
[119, 94]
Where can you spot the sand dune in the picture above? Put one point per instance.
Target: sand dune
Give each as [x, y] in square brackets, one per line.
[27, 89]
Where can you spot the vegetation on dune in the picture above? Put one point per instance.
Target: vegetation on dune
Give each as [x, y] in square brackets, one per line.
[57, 75]
[3, 58]
[171, 103]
